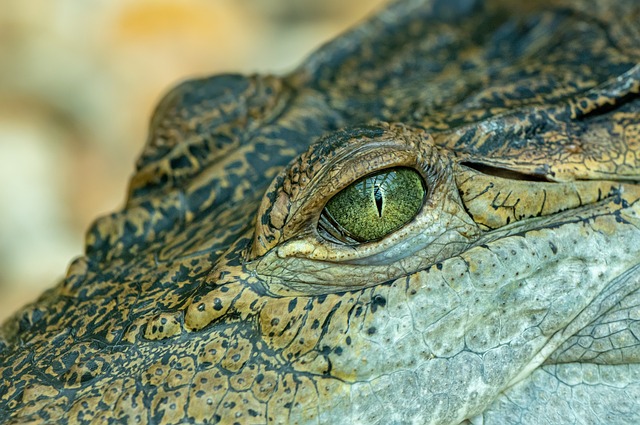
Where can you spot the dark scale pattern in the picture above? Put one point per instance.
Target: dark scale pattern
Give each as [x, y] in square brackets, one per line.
[212, 297]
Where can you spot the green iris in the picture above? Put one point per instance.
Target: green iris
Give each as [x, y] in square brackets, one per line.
[377, 204]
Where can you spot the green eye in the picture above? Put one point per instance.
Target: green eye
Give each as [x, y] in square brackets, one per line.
[377, 204]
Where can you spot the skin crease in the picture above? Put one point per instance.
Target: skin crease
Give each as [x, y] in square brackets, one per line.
[513, 295]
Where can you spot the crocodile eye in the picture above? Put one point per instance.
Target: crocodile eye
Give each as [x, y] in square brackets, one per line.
[319, 230]
[375, 205]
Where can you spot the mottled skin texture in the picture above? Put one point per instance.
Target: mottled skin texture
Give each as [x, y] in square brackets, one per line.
[513, 296]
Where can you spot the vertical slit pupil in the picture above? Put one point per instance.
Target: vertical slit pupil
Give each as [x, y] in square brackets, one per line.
[377, 195]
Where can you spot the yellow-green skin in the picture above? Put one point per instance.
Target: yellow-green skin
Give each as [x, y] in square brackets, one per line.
[513, 295]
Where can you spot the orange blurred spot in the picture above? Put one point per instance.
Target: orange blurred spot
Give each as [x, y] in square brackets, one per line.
[143, 20]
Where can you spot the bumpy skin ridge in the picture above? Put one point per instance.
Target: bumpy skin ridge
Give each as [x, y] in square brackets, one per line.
[526, 314]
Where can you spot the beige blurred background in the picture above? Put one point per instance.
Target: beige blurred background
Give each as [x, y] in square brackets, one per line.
[78, 82]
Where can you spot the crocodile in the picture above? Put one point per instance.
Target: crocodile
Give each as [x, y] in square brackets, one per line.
[434, 219]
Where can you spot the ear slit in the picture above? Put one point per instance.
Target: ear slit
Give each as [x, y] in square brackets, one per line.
[504, 172]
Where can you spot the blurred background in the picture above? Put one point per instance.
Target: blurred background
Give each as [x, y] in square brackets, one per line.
[78, 82]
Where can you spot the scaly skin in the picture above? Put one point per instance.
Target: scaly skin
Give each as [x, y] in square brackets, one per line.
[512, 297]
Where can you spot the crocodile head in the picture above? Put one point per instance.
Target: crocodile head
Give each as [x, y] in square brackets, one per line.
[433, 219]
